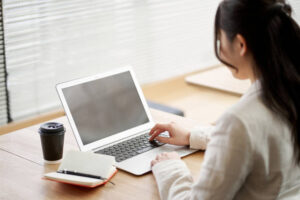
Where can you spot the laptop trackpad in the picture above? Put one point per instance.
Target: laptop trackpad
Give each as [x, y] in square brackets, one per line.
[141, 164]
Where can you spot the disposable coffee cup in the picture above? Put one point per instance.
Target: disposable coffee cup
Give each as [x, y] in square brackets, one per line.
[52, 141]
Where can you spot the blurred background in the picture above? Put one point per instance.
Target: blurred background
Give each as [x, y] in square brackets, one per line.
[45, 42]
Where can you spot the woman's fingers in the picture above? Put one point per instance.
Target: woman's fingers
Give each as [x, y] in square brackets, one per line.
[164, 139]
[164, 127]
[164, 156]
[153, 162]
[156, 133]
[158, 126]
[153, 129]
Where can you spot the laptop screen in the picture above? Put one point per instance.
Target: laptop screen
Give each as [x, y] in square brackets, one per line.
[104, 107]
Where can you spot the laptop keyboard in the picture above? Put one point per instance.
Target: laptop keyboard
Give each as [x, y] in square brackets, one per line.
[131, 147]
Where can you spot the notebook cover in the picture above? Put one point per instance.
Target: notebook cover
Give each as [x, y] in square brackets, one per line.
[81, 185]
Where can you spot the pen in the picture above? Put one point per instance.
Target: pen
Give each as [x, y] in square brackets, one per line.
[64, 171]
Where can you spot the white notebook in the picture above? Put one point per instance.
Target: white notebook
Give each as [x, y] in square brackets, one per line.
[84, 163]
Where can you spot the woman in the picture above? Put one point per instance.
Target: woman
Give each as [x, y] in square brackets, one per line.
[254, 149]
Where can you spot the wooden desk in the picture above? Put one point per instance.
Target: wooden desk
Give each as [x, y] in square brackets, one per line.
[22, 169]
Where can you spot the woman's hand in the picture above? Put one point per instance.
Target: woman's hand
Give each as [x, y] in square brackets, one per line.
[165, 156]
[178, 134]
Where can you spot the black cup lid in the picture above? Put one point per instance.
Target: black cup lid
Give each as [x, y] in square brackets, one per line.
[52, 127]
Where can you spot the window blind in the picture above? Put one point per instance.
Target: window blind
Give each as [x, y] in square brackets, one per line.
[52, 41]
[4, 99]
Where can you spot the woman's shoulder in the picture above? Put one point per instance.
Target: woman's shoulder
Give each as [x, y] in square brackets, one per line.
[248, 112]
[250, 109]
[254, 119]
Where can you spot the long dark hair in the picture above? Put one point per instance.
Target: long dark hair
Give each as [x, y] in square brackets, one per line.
[273, 38]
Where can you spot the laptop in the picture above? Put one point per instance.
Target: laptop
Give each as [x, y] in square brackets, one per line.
[108, 114]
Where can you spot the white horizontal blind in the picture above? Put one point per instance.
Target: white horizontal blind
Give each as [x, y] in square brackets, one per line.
[50, 41]
[4, 105]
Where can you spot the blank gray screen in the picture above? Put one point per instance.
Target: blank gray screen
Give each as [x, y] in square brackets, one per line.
[104, 107]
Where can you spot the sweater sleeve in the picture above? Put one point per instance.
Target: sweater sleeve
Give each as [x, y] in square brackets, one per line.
[173, 179]
[227, 162]
[200, 136]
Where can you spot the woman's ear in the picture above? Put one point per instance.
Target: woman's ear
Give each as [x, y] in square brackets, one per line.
[242, 45]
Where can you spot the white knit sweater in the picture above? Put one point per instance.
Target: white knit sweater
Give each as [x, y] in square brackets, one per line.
[249, 155]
